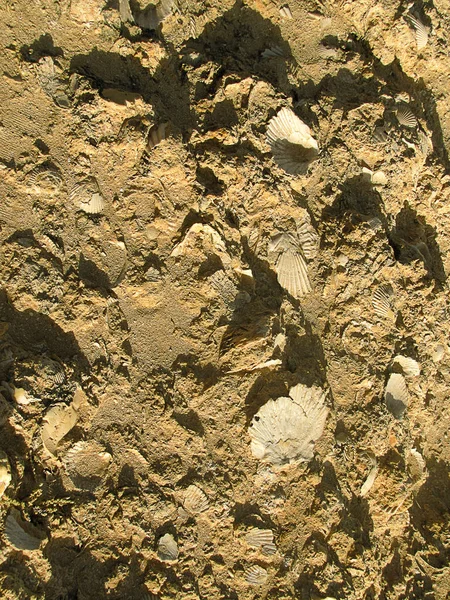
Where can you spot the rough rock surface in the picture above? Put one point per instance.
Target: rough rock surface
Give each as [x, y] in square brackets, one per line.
[138, 201]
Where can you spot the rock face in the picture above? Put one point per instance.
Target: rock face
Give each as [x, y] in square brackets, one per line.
[205, 208]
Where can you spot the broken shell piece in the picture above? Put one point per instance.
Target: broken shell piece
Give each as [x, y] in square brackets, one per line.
[269, 549]
[88, 197]
[383, 300]
[396, 395]
[405, 116]
[284, 430]
[290, 265]
[58, 421]
[285, 12]
[156, 134]
[291, 142]
[274, 51]
[308, 239]
[19, 533]
[195, 500]
[167, 547]
[371, 476]
[86, 464]
[259, 537]
[416, 465]
[256, 575]
[154, 14]
[421, 31]
[409, 366]
[5, 473]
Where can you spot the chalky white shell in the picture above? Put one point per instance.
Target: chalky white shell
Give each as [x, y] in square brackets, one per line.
[256, 575]
[396, 395]
[259, 537]
[195, 500]
[167, 547]
[409, 366]
[405, 116]
[421, 31]
[284, 430]
[382, 302]
[290, 265]
[285, 12]
[88, 197]
[291, 142]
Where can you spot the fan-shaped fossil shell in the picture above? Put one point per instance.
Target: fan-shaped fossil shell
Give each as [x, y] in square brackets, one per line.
[5, 473]
[269, 549]
[86, 464]
[88, 197]
[396, 395]
[409, 366]
[195, 500]
[259, 537]
[256, 575]
[421, 31]
[405, 116]
[152, 16]
[291, 142]
[285, 12]
[290, 265]
[19, 533]
[156, 134]
[167, 547]
[58, 421]
[46, 177]
[284, 430]
[383, 300]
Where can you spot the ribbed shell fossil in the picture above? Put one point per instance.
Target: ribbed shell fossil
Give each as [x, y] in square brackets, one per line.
[269, 549]
[409, 366]
[167, 547]
[46, 177]
[285, 12]
[259, 537]
[195, 500]
[421, 31]
[5, 473]
[256, 575]
[291, 142]
[405, 116]
[86, 464]
[88, 197]
[290, 265]
[396, 395]
[58, 421]
[383, 300]
[19, 533]
[284, 430]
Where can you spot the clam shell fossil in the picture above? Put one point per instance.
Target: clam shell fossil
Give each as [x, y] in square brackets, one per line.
[86, 463]
[405, 116]
[87, 196]
[290, 265]
[396, 395]
[256, 575]
[58, 421]
[167, 547]
[153, 15]
[46, 177]
[5, 473]
[409, 366]
[291, 142]
[269, 549]
[259, 537]
[383, 300]
[421, 31]
[195, 500]
[284, 430]
[19, 533]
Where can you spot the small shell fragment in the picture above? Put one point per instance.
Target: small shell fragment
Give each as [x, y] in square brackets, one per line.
[291, 142]
[58, 421]
[19, 533]
[285, 12]
[167, 547]
[273, 52]
[46, 177]
[382, 302]
[154, 14]
[370, 480]
[416, 465]
[396, 395]
[156, 134]
[421, 31]
[86, 464]
[269, 549]
[5, 473]
[409, 366]
[256, 575]
[405, 116]
[195, 500]
[259, 537]
[88, 197]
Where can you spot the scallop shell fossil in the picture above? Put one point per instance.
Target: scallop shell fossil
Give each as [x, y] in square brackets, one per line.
[285, 12]
[383, 300]
[87, 196]
[86, 464]
[405, 116]
[421, 31]
[290, 265]
[256, 575]
[259, 537]
[284, 430]
[409, 366]
[167, 547]
[396, 395]
[19, 533]
[291, 142]
[58, 421]
[46, 177]
[195, 500]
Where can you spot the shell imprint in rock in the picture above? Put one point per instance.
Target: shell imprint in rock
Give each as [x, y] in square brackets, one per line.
[256, 575]
[88, 197]
[167, 547]
[284, 430]
[290, 265]
[396, 395]
[46, 177]
[195, 500]
[405, 116]
[259, 537]
[86, 464]
[382, 302]
[291, 142]
[5, 473]
[19, 533]
[58, 421]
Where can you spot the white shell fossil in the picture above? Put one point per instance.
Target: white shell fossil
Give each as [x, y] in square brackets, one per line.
[167, 547]
[5, 473]
[370, 480]
[259, 537]
[421, 31]
[290, 265]
[256, 575]
[88, 197]
[58, 421]
[195, 500]
[405, 116]
[409, 366]
[154, 14]
[19, 533]
[396, 395]
[284, 430]
[156, 134]
[86, 464]
[285, 12]
[383, 300]
[273, 52]
[291, 142]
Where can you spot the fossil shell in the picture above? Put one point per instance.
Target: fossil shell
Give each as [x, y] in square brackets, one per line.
[409, 366]
[396, 395]
[308, 239]
[285, 12]
[290, 265]
[383, 300]
[273, 52]
[284, 430]
[259, 537]
[405, 116]
[156, 134]
[167, 547]
[256, 575]
[269, 549]
[326, 52]
[46, 177]
[291, 142]
[5, 473]
[416, 465]
[19, 533]
[421, 31]
[88, 197]
[58, 421]
[370, 480]
[86, 464]
[380, 134]
[195, 500]
[152, 16]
